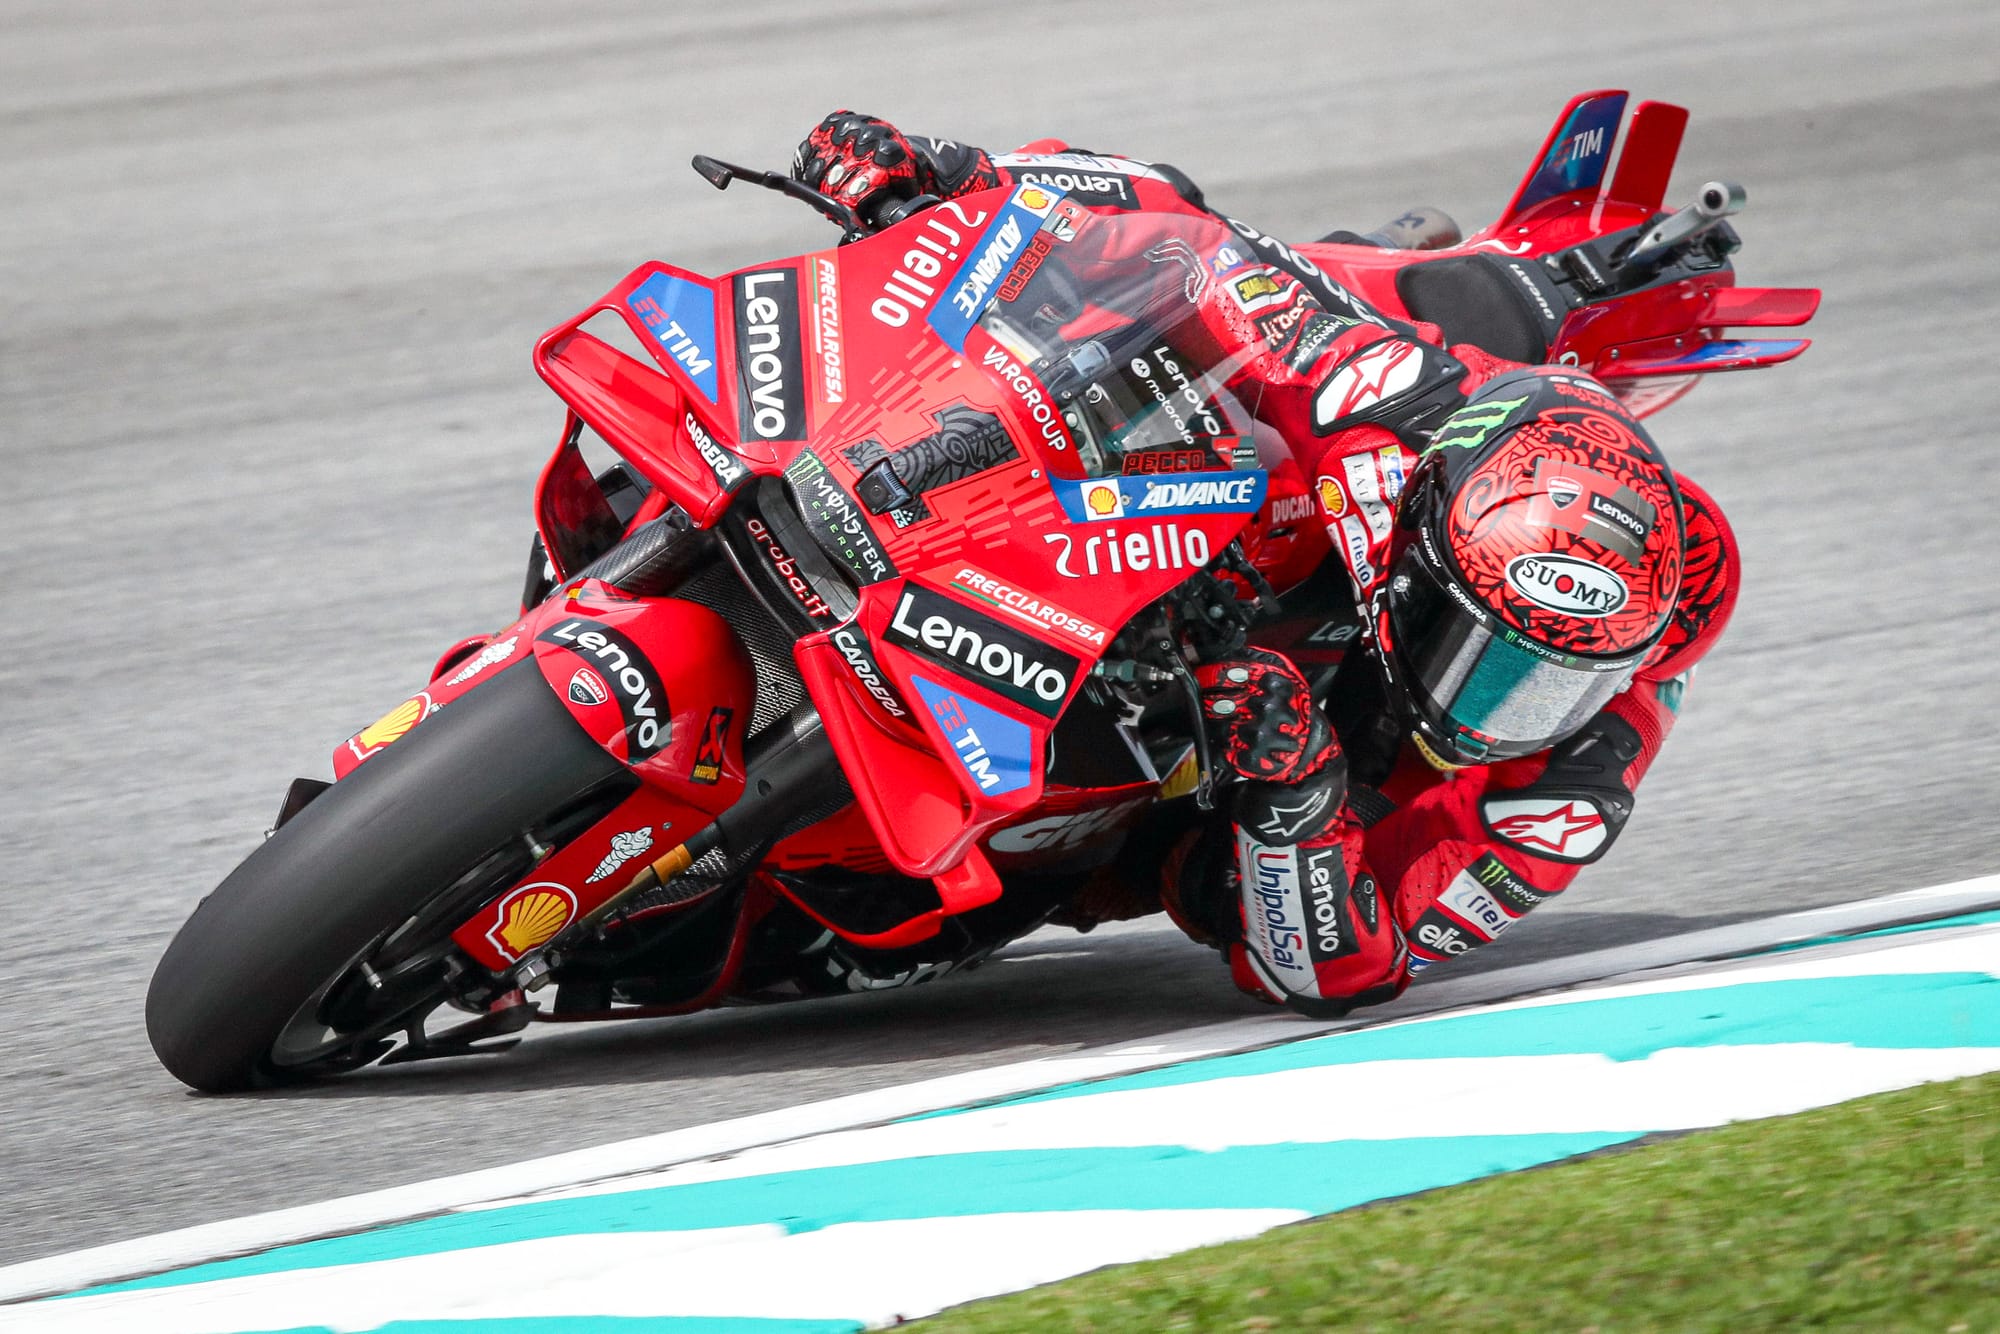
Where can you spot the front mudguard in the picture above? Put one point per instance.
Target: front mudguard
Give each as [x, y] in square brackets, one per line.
[666, 688]
[664, 685]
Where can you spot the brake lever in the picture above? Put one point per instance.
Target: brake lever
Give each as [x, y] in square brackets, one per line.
[719, 174]
[1205, 769]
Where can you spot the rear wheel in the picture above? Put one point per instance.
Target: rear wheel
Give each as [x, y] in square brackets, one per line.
[336, 932]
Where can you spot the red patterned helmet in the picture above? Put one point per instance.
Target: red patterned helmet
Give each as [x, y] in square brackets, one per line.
[1537, 562]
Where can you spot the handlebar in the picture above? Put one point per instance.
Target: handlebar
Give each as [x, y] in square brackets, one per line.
[874, 216]
[1715, 201]
[719, 174]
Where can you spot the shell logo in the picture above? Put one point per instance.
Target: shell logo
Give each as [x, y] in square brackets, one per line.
[1103, 500]
[1032, 198]
[529, 916]
[390, 726]
[1331, 498]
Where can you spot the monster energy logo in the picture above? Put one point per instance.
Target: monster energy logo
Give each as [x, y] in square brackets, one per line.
[1471, 427]
[1510, 889]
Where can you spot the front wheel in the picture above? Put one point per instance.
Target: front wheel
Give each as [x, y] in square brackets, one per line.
[336, 931]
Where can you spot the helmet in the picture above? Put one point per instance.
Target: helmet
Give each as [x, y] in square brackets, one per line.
[1535, 564]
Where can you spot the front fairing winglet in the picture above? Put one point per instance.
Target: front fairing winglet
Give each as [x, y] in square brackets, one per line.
[914, 804]
[651, 415]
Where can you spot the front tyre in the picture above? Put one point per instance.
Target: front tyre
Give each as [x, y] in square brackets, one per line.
[391, 858]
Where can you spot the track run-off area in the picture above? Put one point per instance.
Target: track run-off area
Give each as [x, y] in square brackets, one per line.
[884, 1206]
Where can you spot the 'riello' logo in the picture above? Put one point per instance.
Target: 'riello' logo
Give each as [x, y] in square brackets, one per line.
[1567, 584]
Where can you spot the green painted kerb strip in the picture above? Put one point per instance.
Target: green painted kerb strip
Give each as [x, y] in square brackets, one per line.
[1311, 1178]
[1904, 1011]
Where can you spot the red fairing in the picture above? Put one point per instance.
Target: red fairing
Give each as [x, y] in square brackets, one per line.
[665, 686]
[662, 684]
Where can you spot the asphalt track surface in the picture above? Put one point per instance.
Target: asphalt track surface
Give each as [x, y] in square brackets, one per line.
[270, 277]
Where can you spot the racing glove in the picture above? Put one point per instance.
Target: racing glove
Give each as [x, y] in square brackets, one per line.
[1287, 898]
[863, 160]
[1262, 720]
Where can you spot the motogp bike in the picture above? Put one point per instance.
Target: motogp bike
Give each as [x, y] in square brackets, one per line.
[871, 645]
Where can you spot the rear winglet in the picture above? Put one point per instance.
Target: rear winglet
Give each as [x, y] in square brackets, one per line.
[1760, 307]
[1574, 156]
[1578, 152]
[1652, 142]
[1726, 354]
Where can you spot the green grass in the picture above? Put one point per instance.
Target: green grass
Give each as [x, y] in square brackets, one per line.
[1879, 1214]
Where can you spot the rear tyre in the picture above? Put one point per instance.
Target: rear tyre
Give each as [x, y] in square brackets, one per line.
[379, 854]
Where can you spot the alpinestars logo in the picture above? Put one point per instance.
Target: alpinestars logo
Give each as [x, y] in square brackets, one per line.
[1287, 824]
[1564, 830]
[966, 443]
[976, 646]
[1379, 373]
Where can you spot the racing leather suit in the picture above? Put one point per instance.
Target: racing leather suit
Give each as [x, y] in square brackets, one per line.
[1353, 859]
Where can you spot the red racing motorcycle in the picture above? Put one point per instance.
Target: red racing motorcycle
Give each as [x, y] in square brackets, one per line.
[872, 646]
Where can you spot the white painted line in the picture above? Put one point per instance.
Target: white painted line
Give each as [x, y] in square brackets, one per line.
[258, 1232]
[1968, 950]
[1722, 942]
[855, 1271]
[170, 1250]
[1681, 1088]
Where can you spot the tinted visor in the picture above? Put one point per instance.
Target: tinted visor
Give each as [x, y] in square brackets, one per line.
[1490, 697]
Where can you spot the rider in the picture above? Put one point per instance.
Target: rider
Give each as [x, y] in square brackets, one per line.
[1533, 591]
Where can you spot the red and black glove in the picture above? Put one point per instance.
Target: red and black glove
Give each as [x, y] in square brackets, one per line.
[862, 160]
[1262, 719]
[858, 159]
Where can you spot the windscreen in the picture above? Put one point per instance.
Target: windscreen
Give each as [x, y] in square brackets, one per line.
[1106, 312]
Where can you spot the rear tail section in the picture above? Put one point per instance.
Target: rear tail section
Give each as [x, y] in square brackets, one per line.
[1575, 160]
[1590, 181]
[1575, 156]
